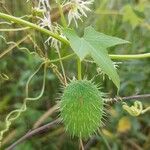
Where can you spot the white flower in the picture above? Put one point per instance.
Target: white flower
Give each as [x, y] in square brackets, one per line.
[45, 21]
[78, 9]
[52, 41]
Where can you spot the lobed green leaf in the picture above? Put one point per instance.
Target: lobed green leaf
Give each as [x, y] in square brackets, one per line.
[95, 44]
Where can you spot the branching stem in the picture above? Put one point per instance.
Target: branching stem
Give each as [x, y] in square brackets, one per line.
[58, 37]
[33, 26]
[117, 57]
[34, 132]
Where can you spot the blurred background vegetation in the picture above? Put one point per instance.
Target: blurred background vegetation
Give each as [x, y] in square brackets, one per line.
[127, 19]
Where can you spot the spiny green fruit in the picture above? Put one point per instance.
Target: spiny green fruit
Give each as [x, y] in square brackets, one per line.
[82, 108]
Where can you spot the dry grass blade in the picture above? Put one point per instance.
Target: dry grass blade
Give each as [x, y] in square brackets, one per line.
[45, 116]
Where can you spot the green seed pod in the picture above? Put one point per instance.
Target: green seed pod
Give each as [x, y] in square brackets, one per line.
[82, 108]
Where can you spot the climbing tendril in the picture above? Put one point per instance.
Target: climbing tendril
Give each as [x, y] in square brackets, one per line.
[136, 109]
[13, 115]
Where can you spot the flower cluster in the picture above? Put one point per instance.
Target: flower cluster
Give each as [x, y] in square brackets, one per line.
[45, 22]
[77, 9]
[52, 41]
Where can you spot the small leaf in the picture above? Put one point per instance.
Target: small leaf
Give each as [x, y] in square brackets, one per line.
[95, 44]
[130, 16]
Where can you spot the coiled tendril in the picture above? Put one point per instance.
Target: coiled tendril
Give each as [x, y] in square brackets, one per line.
[13, 115]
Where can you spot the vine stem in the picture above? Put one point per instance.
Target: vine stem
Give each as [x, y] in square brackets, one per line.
[62, 68]
[117, 57]
[58, 37]
[145, 110]
[126, 57]
[14, 30]
[79, 69]
[134, 97]
[33, 26]
[59, 54]
[63, 58]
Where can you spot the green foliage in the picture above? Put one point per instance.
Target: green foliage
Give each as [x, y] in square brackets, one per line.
[95, 44]
[130, 16]
[125, 19]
